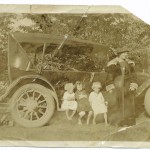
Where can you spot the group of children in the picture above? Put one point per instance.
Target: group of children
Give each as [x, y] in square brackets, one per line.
[81, 102]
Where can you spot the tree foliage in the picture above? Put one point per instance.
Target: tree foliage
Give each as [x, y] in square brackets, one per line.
[114, 30]
[5, 28]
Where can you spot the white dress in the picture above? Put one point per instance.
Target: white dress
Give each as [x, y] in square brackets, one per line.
[69, 101]
[97, 103]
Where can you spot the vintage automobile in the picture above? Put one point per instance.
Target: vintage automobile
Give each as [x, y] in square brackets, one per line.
[39, 65]
[37, 79]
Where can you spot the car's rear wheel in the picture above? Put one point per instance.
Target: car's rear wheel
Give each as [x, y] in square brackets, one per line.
[147, 101]
[32, 105]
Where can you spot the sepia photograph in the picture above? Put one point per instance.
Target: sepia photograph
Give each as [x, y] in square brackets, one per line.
[71, 75]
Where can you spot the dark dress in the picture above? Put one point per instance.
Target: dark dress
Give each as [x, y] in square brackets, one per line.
[122, 74]
[83, 103]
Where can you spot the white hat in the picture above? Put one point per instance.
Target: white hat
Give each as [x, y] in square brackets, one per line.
[96, 85]
[69, 86]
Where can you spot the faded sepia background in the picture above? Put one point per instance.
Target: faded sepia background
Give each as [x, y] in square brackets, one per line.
[119, 29]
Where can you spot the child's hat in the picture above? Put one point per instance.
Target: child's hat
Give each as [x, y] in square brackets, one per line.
[122, 50]
[96, 85]
[69, 86]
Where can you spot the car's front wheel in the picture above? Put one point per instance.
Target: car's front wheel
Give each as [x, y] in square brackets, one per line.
[147, 101]
[32, 105]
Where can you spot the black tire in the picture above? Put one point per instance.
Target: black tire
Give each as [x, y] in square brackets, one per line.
[32, 105]
[147, 101]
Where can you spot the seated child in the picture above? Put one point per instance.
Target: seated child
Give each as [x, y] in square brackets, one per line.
[97, 102]
[83, 103]
[69, 102]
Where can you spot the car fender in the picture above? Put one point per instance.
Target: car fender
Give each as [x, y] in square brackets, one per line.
[30, 79]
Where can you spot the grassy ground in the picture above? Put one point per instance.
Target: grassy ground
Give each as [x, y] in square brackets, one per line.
[60, 129]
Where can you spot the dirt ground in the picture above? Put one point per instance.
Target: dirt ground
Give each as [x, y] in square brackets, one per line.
[60, 129]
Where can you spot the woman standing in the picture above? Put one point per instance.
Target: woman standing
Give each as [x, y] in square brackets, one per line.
[121, 77]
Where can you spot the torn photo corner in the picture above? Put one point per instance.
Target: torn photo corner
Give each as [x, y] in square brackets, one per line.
[74, 76]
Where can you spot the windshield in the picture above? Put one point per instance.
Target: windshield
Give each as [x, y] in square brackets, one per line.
[69, 57]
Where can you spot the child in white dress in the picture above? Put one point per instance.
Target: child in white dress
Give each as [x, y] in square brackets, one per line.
[69, 102]
[97, 102]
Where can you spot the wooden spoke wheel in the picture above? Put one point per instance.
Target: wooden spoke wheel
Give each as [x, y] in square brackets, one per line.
[147, 101]
[32, 105]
